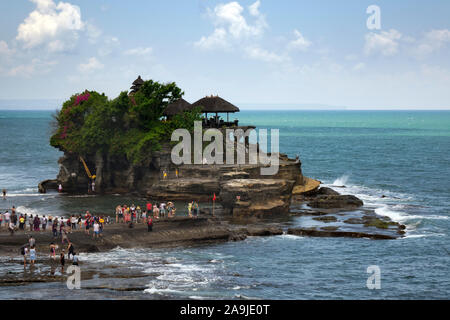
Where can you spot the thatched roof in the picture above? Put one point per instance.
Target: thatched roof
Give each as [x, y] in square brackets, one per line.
[138, 81]
[177, 107]
[213, 104]
[135, 88]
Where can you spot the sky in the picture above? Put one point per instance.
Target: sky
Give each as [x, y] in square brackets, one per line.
[262, 54]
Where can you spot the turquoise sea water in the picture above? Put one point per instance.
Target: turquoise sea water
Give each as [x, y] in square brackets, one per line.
[403, 155]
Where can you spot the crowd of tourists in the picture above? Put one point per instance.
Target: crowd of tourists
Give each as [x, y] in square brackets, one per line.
[60, 227]
[136, 214]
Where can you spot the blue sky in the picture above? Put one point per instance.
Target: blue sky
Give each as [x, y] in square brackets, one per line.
[256, 54]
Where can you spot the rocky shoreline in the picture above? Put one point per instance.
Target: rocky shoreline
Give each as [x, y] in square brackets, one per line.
[185, 231]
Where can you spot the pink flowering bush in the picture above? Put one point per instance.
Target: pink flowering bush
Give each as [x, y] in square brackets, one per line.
[82, 97]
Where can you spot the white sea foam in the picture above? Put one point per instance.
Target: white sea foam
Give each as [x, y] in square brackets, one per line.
[34, 212]
[198, 298]
[290, 237]
[341, 181]
[401, 216]
[154, 290]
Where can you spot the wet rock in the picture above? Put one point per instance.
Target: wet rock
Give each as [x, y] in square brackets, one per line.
[335, 201]
[327, 191]
[256, 197]
[329, 228]
[312, 232]
[326, 219]
[264, 231]
[92, 249]
[47, 185]
[380, 224]
[354, 221]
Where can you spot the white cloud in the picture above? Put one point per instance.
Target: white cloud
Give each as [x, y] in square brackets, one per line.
[385, 42]
[231, 25]
[93, 32]
[359, 66]
[92, 65]
[433, 41]
[218, 39]
[4, 49]
[254, 9]
[300, 42]
[51, 24]
[258, 53]
[140, 51]
[35, 66]
[108, 46]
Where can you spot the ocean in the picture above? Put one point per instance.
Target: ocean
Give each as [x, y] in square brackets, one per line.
[401, 155]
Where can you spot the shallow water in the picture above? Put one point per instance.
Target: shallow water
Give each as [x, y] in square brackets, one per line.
[401, 155]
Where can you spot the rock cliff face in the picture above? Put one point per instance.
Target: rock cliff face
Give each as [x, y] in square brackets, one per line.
[241, 189]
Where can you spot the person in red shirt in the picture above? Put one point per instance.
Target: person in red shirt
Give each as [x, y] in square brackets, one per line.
[149, 224]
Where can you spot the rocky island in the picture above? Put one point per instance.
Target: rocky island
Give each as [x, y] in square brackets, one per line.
[123, 146]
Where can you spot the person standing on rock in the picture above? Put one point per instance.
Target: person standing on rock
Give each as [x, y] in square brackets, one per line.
[149, 209]
[73, 222]
[70, 250]
[144, 216]
[75, 259]
[24, 252]
[21, 222]
[44, 223]
[190, 209]
[149, 224]
[101, 222]
[11, 228]
[7, 216]
[96, 230]
[155, 211]
[60, 188]
[53, 248]
[195, 208]
[162, 209]
[36, 223]
[14, 218]
[31, 241]
[62, 260]
[30, 222]
[64, 235]
[32, 255]
[55, 228]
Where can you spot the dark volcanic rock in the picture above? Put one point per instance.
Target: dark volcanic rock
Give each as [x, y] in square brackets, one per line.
[326, 219]
[334, 233]
[354, 221]
[336, 201]
[327, 191]
[47, 185]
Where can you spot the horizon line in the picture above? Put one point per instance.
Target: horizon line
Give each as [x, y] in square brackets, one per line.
[267, 109]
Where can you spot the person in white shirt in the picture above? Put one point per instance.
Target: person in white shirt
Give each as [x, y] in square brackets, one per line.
[7, 217]
[96, 230]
